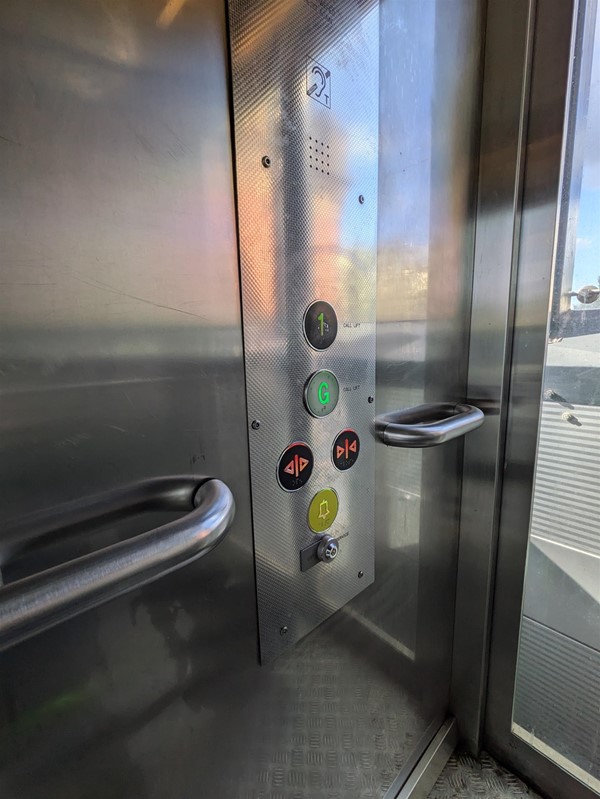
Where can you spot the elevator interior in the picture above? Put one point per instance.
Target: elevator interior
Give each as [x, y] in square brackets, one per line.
[299, 405]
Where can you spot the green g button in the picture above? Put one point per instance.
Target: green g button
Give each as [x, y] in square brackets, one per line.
[321, 393]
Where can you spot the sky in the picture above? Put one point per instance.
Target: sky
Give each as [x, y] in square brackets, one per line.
[587, 250]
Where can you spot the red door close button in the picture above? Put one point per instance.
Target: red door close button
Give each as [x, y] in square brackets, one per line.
[345, 449]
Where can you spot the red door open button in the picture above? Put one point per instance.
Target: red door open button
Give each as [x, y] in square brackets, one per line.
[295, 466]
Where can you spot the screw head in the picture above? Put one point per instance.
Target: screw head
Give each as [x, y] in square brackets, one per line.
[361, 574]
[361, 199]
[283, 630]
[266, 161]
[371, 400]
[255, 424]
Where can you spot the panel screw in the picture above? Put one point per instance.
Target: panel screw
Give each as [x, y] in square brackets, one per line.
[255, 424]
[371, 399]
[361, 574]
[266, 161]
[283, 631]
[361, 198]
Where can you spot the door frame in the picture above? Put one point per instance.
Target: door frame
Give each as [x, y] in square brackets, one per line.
[555, 29]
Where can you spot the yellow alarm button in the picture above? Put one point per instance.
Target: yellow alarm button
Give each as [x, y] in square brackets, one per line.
[322, 510]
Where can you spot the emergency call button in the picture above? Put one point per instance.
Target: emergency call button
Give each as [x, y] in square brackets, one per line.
[323, 510]
[345, 449]
[321, 393]
[295, 466]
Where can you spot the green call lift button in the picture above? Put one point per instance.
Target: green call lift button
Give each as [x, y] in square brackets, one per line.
[321, 393]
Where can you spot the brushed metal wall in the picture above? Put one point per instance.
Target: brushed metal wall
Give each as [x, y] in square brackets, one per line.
[120, 359]
[430, 79]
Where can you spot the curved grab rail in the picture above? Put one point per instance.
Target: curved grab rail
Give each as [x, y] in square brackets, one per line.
[35, 603]
[428, 425]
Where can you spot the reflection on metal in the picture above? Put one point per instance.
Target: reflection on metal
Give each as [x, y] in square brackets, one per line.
[379, 633]
[509, 40]
[169, 12]
[120, 360]
[31, 605]
[430, 86]
[305, 236]
[431, 764]
[428, 425]
[554, 672]
[557, 682]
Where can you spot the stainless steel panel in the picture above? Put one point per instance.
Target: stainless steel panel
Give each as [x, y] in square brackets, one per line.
[308, 232]
[424, 777]
[124, 361]
[505, 102]
[557, 683]
[120, 360]
[555, 36]
[430, 82]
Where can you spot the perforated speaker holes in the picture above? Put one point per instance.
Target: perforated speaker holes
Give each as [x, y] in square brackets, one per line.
[318, 155]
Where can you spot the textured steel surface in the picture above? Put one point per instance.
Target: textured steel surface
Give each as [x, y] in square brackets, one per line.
[466, 777]
[326, 720]
[305, 236]
[557, 695]
[334, 726]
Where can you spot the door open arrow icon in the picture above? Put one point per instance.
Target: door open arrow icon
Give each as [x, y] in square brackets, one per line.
[296, 465]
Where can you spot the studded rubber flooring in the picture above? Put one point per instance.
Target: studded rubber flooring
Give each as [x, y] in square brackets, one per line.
[466, 777]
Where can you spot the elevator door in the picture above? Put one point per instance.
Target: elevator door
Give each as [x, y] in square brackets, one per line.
[544, 682]
[122, 360]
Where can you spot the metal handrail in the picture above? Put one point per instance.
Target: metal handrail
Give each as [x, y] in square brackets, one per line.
[35, 603]
[428, 425]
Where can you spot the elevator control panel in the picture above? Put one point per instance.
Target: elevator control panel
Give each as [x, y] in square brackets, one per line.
[305, 110]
